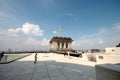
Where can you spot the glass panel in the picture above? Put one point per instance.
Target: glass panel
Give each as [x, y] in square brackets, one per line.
[66, 45]
[58, 45]
[62, 45]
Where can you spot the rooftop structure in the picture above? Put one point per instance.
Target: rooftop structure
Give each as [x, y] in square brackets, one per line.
[61, 43]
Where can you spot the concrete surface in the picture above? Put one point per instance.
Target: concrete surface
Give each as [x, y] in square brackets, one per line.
[49, 66]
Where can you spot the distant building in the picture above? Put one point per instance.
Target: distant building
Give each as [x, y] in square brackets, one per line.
[95, 50]
[118, 45]
[60, 43]
[113, 50]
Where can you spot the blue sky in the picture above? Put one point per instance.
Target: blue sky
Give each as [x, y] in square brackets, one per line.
[30, 24]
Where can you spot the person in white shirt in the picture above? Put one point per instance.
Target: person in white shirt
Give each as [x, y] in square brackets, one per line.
[68, 54]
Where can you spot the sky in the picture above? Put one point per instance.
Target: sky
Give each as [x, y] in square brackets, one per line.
[30, 24]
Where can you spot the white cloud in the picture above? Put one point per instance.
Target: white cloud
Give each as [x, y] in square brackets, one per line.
[95, 35]
[86, 42]
[18, 30]
[73, 43]
[116, 27]
[9, 40]
[45, 42]
[13, 38]
[54, 32]
[100, 41]
[28, 28]
[32, 41]
[5, 34]
[106, 37]
[90, 41]
[14, 42]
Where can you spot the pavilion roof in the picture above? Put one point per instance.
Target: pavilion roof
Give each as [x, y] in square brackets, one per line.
[61, 39]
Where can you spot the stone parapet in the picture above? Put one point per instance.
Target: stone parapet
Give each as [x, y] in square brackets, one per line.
[107, 72]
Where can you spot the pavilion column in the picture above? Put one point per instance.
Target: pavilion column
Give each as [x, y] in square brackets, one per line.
[60, 45]
[64, 45]
[68, 45]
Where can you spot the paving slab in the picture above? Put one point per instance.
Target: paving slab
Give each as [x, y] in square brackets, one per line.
[50, 66]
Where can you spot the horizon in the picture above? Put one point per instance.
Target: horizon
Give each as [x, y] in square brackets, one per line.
[29, 25]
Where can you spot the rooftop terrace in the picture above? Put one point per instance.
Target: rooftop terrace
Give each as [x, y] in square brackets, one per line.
[49, 66]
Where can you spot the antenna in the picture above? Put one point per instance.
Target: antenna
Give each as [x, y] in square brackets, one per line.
[60, 31]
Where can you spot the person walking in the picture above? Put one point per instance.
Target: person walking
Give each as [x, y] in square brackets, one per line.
[35, 58]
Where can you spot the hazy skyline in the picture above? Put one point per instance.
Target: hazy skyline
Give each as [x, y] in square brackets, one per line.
[30, 24]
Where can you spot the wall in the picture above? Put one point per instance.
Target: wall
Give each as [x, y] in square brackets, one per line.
[84, 57]
[53, 46]
[11, 57]
[104, 58]
[101, 58]
[69, 46]
[107, 72]
[88, 57]
[113, 50]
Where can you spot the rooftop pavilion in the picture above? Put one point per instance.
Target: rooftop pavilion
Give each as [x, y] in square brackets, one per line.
[61, 43]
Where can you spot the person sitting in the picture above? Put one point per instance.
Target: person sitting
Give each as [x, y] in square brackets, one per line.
[1, 55]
